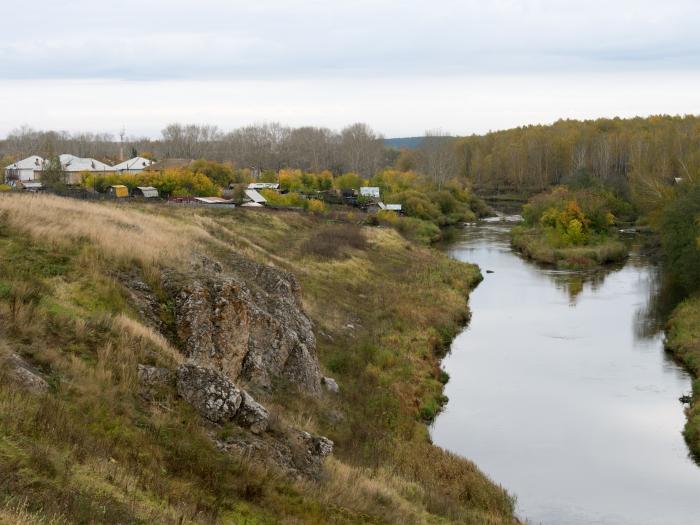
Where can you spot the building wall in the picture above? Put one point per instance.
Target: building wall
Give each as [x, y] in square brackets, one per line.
[24, 174]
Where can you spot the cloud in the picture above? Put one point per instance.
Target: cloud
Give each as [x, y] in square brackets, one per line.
[268, 39]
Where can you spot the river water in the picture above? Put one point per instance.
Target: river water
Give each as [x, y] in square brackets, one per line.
[561, 392]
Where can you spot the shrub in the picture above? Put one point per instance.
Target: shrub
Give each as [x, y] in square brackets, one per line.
[315, 206]
[335, 242]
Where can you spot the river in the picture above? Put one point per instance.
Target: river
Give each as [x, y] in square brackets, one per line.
[561, 392]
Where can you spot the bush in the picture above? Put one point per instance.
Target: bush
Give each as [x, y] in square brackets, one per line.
[5, 187]
[335, 242]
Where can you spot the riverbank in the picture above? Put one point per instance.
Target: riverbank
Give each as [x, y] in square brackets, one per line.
[383, 310]
[683, 342]
[534, 244]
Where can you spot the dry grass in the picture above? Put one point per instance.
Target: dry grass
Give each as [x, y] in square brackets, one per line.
[140, 331]
[119, 232]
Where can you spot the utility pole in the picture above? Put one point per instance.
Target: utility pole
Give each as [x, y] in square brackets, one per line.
[121, 144]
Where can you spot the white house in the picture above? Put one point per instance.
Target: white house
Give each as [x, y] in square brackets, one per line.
[28, 169]
[369, 191]
[135, 165]
[74, 166]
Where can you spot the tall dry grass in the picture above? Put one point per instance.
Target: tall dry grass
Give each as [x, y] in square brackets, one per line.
[120, 233]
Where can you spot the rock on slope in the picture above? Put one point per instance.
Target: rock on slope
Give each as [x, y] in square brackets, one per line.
[238, 323]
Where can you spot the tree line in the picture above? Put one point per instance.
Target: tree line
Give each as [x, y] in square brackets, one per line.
[637, 154]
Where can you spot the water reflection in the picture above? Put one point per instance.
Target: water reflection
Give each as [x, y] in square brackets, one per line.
[560, 390]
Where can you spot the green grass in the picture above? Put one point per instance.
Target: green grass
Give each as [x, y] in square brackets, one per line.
[535, 244]
[683, 342]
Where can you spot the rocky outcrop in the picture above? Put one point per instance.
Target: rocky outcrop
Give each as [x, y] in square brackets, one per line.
[209, 391]
[217, 399]
[252, 414]
[23, 374]
[239, 317]
[298, 453]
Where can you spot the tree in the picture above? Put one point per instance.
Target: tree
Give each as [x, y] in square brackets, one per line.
[438, 157]
[361, 150]
[52, 176]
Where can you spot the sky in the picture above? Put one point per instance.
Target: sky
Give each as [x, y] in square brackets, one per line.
[402, 67]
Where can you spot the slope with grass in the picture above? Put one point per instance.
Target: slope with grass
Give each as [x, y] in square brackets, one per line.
[89, 448]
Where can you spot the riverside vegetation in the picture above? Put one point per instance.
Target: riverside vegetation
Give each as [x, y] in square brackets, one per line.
[80, 442]
[570, 228]
[677, 217]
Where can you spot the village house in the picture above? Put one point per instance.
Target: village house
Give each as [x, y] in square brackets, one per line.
[135, 165]
[28, 169]
[73, 167]
[369, 191]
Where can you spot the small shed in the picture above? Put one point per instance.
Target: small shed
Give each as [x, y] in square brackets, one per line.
[119, 191]
[254, 196]
[263, 186]
[369, 191]
[393, 207]
[214, 201]
[147, 192]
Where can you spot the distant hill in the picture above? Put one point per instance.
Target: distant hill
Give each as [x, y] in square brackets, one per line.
[410, 142]
[403, 142]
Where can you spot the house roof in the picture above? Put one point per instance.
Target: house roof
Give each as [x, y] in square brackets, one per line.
[254, 196]
[370, 191]
[263, 186]
[212, 200]
[136, 163]
[393, 207]
[148, 191]
[34, 162]
[73, 163]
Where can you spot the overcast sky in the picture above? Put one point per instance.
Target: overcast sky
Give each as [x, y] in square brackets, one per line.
[402, 67]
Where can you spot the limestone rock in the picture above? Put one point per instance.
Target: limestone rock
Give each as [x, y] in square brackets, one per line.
[246, 320]
[23, 374]
[211, 393]
[252, 414]
[330, 384]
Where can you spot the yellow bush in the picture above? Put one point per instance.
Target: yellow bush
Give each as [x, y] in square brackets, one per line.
[315, 206]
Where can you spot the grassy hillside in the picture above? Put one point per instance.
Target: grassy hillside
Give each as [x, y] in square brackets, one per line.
[91, 449]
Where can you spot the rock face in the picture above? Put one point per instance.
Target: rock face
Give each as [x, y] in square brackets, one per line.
[218, 399]
[209, 391]
[252, 414]
[242, 318]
